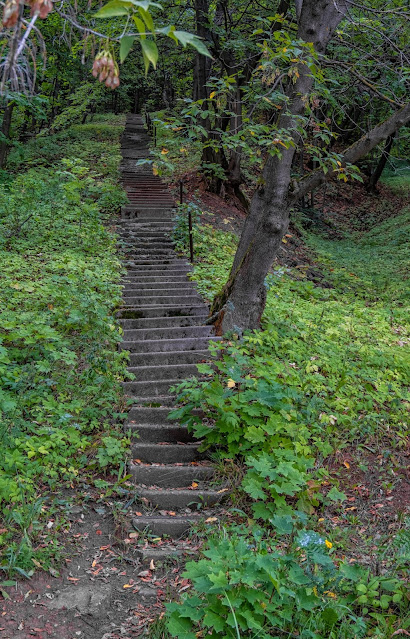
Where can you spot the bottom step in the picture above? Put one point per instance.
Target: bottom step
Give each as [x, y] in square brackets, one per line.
[171, 526]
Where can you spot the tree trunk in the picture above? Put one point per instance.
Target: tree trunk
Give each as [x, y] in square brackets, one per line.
[5, 130]
[241, 303]
[377, 173]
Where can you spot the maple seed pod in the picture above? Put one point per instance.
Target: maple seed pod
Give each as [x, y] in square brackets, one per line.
[115, 82]
[103, 75]
[42, 7]
[11, 13]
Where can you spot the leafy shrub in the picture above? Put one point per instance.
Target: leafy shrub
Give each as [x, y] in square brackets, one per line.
[60, 368]
[254, 584]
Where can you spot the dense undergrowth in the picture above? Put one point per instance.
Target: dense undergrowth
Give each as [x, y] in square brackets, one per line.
[327, 373]
[60, 369]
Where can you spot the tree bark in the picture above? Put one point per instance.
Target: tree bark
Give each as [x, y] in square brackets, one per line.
[377, 173]
[5, 130]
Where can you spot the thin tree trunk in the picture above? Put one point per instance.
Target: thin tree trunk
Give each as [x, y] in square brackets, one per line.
[377, 173]
[5, 130]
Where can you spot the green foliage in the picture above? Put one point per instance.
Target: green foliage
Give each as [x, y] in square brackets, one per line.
[374, 265]
[327, 370]
[60, 369]
[180, 233]
[253, 583]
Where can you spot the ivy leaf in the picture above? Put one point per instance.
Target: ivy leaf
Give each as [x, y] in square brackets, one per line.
[126, 46]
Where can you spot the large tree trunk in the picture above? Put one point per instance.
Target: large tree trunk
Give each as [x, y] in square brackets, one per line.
[242, 301]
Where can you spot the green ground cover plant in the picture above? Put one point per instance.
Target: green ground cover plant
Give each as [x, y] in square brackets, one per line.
[328, 372]
[280, 582]
[60, 370]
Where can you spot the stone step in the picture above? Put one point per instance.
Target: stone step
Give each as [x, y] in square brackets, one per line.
[173, 499]
[153, 299]
[157, 322]
[182, 290]
[147, 217]
[173, 332]
[166, 453]
[155, 281]
[169, 357]
[154, 433]
[155, 400]
[140, 232]
[157, 416]
[145, 225]
[142, 312]
[161, 526]
[168, 345]
[160, 271]
[152, 252]
[139, 245]
[170, 476]
[157, 265]
[159, 373]
[135, 285]
[149, 388]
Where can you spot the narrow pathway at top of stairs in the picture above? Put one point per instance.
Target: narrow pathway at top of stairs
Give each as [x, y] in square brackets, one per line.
[163, 318]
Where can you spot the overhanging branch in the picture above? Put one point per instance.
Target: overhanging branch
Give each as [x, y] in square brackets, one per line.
[354, 152]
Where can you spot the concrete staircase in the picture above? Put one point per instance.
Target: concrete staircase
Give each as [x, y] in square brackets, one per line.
[163, 321]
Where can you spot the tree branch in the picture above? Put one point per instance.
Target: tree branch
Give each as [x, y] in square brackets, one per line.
[354, 152]
[364, 81]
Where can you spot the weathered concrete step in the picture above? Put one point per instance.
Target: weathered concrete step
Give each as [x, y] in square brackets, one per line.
[149, 388]
[155, 400]
[152, 252]
[183, 290]
[161, 526]
[170, 476]
[157, 265]
[143, 242]
[153, 299]
[156, 281]
[165, 553]
[157, 322]
[159, 373]
[158, 300]
[136, 285]
[142, 312]
[148, 217]
[170, 357]
[166, 345]
[146, 225]
[143, 272]
[158, 416]
[166, 453]
[173, 332]
[172, 498]
[154, 433]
